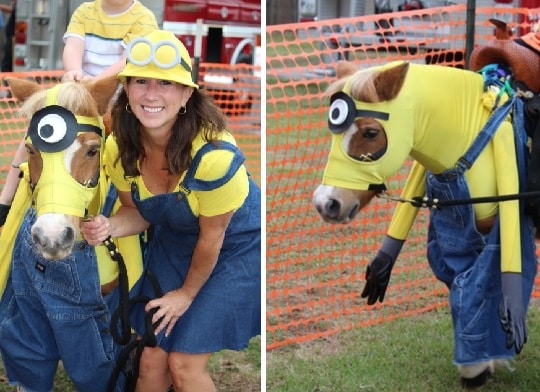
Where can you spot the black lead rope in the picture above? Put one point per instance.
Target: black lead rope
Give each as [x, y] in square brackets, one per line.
[122, 335]
[426, 202]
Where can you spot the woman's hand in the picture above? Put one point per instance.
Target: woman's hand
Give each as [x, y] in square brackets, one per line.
[96, 230]
[170, 308]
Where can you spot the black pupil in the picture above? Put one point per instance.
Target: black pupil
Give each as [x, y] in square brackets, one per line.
[335, 113]
[46, 131]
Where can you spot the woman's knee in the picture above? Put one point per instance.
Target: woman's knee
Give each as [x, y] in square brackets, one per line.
[153, 361]
[188, 366]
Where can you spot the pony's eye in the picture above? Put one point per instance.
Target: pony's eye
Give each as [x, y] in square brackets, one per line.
[339, 112]
[92, 152]
[371, 133]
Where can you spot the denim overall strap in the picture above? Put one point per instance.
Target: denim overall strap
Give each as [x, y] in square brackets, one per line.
[485, 135]
[192, 183]
[518, 122]
[110, 199]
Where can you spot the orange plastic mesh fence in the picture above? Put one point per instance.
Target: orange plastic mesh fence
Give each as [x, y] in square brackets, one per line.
[315, 271]
[237, 89]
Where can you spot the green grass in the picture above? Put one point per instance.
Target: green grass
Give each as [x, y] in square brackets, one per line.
[413, 354]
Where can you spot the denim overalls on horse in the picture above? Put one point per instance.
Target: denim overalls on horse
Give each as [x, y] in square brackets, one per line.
[56, 312]
[469, 262]
[226, 312]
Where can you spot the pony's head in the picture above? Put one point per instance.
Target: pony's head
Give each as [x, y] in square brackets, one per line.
[64, 143]
[371, 138]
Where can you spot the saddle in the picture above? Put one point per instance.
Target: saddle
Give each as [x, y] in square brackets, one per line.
[522, 56]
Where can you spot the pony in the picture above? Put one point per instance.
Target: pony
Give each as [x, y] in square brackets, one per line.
[58, 292]
[467, 142]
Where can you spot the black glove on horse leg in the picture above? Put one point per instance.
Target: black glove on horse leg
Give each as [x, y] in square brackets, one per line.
[379, 270]
[512, 311]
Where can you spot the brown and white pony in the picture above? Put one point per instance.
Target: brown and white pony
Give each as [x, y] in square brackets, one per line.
[64, 143]
[379, 117]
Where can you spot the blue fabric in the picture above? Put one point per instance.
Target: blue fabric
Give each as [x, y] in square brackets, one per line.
[469, 262]
[54, 310]
[226, 313]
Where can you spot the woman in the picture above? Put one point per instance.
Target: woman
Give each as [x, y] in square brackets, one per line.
[176, 167]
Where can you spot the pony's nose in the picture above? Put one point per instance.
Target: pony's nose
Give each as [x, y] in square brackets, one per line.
[332, 208]
[64, 241]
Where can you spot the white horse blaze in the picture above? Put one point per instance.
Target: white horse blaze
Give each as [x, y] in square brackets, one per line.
[55, 234]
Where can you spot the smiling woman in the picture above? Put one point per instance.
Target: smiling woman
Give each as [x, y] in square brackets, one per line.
[178, 170]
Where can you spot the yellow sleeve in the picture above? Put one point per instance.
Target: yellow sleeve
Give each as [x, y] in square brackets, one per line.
[405, 213]
[228, 197]
[144, 23]
[508, 183]
[130, 246]
[21, 202]
[76, 24]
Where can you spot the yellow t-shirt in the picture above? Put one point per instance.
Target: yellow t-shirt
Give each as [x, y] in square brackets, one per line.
[213, 165]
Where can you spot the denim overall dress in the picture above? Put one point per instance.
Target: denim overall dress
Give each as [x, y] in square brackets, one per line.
[226, 312]
[52, 311]
[469, 263]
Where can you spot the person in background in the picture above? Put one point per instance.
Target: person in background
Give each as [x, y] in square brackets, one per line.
[7, 60]
[178, 170]
[97, 35]
[95, 42]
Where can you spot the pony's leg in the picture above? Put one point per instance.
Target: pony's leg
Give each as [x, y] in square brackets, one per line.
[459, 257]
[82, 324]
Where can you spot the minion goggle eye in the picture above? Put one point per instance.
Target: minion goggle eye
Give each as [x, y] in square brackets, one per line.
[54, 128]
[153, 53]
[343, 112]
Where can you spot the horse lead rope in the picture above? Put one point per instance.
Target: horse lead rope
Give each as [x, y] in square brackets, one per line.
[426, 202]
[121, 314]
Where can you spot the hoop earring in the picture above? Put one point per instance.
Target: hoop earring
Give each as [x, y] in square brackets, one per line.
[182, 110]
[128, 109]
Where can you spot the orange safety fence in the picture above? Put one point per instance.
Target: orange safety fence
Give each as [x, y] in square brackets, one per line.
[315, 271]
[237, 90]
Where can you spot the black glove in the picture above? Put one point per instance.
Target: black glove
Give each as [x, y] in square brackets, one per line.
[378, 271]
[4, 209]
[512, 312]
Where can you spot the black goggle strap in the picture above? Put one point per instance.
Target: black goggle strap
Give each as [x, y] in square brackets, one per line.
[343, 112]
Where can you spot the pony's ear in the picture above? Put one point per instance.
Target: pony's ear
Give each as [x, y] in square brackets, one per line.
[22, 88]
[345, 68]
[388, 83]
[103, 90]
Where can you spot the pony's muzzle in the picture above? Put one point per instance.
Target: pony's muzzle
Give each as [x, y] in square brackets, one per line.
[332, 208]
[54, 237]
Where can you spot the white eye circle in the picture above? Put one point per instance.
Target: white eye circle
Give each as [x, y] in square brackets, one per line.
[338, 112]
[52, 128]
